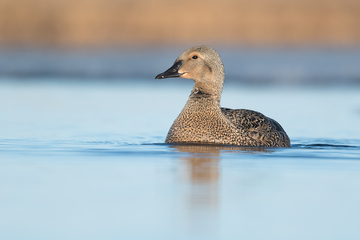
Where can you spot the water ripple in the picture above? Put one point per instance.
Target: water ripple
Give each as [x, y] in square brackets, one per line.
[305, 148]
[325, 146]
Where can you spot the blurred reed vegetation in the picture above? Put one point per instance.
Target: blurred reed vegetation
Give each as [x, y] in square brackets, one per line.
[157, 22]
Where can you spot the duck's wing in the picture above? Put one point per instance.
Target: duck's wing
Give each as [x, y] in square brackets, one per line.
[259, 127]
[251, 120]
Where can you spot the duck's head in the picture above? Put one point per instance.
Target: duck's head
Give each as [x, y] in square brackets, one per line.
[202, 64]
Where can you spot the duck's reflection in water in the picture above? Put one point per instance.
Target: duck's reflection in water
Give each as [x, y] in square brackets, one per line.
[202, 163]
[200, 169]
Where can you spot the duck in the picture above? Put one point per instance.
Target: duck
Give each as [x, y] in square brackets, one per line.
[203, 120]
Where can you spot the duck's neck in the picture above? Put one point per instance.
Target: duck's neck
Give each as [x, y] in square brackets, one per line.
[201, 100]
[209, 90]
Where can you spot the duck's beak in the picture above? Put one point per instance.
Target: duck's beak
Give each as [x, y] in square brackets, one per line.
[171, 72]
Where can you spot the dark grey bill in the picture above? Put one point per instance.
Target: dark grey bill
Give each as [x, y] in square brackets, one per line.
[171, 72]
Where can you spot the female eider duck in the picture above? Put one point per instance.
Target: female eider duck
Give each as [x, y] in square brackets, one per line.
[203, 121]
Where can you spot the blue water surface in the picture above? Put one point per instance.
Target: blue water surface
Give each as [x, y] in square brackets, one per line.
[87, 160]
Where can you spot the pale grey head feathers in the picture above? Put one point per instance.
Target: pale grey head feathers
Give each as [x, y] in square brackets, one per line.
[201, 64]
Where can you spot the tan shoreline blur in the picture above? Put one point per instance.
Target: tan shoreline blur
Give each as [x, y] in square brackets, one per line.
[100, 22]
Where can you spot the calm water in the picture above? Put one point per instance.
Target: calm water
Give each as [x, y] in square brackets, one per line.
[86, 160]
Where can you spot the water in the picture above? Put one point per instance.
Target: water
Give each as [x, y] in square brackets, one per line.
[86, 160]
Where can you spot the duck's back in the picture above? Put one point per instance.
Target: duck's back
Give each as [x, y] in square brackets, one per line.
[264, 129]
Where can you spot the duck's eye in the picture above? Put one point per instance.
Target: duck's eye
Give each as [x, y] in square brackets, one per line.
[195, 57]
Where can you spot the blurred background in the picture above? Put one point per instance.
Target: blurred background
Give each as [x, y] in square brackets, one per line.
[89, 23]
[269, 41]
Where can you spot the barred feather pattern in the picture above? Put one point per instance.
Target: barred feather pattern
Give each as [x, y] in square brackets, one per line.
[265, 130]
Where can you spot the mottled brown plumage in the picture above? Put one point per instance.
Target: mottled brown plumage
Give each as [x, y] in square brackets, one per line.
[202, 121]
